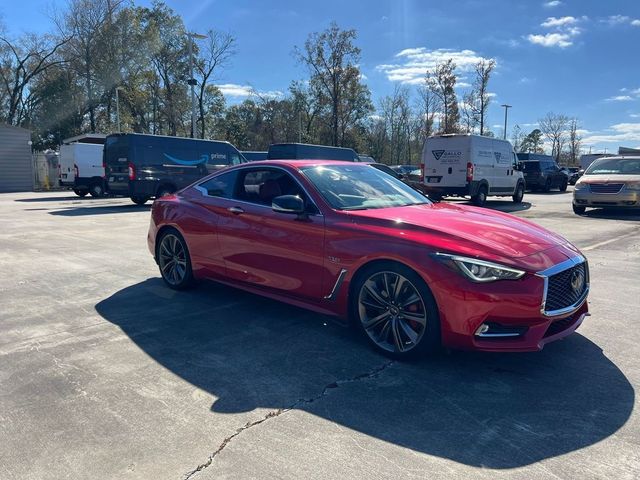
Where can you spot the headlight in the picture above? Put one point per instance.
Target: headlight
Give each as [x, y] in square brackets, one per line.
[634, 186]
[479, 270]
[581, 186]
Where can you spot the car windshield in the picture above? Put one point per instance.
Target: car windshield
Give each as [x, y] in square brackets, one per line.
[348, 187]
[614, 166]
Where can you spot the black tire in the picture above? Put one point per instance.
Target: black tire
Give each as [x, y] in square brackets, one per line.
[96, 190]
[80, 193]
[563, 185]
[435, 197]
[165, 190]
[395, 335]
[547, 185]
[139, 200]
[174, 260]
[578, 210]
[480, 198]
[518, 194]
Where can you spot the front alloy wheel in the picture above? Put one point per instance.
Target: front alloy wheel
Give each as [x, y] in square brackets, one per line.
[174, 262]
[396, 312]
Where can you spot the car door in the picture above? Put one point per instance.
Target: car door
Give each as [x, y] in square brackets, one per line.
[278, 251]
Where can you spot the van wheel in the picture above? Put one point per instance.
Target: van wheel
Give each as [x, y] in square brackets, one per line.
[96, 190]
[80, 193]
[395, 310]
[518, 194]
[579, 210]
[165, 190]
[139, 200]
[563, 186]
[480, 198]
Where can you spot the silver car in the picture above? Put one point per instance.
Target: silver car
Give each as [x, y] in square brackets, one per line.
[612, 182]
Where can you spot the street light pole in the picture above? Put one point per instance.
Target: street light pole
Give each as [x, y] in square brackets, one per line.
[506, 109]
[192, 81]
[118, 107]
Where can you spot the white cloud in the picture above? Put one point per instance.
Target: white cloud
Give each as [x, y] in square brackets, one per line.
[619, 98]
[552, 4]
[414, 63]
[244, 91]
[619, 133]
[561, 40]
[553, 22]
[634, 115]
[463, 85]
[565, 30]
[635, 23]
[616, 20]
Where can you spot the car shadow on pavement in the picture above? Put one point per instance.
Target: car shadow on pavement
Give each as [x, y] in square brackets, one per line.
[60, 199]
[100, 210]
[613, 214]
[506, 206]
[479, 409]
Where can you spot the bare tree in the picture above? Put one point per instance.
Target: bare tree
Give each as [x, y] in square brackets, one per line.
[429, 105]
[333, 59]
[441, 82]
[21, 62]
[554, 127]
[517, 137]
[469, 117]
[480, 90]
[575, 141]
[216, 54]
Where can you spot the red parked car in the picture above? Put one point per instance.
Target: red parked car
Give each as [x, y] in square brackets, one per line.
[346, 239]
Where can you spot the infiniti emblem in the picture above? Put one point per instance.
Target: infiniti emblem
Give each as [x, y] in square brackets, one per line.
[577, 281]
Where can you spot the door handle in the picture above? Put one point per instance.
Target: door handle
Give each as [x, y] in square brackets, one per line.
[236, 210]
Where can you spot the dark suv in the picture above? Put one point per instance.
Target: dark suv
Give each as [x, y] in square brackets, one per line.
[541, 172]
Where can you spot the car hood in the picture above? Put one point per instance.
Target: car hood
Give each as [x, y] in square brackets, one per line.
[474, 231]
[608, 178]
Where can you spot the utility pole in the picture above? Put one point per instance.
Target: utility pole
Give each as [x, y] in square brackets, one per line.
[506, 109]
[118, 107]
[192, 81]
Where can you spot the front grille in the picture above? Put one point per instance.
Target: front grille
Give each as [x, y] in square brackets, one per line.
[605, 187]
[561, 291]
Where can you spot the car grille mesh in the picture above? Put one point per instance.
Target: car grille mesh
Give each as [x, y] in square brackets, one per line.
[606, 187]
[560, 291]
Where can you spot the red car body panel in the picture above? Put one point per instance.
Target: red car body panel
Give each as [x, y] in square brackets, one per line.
[299, 261]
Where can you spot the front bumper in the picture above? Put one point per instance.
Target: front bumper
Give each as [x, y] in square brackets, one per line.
[509, 316]
[623, 199]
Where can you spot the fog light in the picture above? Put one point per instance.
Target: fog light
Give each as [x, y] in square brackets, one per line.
[495, 330]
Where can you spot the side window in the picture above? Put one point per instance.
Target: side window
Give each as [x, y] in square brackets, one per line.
[261, 186]
[234, 156]
[221, 185]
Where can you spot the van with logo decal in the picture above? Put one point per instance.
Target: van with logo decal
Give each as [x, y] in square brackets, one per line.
[470, 166]
[142, 166]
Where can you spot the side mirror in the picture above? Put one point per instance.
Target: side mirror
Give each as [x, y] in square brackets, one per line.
[291, 204]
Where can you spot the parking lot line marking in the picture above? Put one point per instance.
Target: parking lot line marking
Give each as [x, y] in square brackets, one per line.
[611, 240]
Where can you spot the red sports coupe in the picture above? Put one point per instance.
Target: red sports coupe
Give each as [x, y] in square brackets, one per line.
[346, 239]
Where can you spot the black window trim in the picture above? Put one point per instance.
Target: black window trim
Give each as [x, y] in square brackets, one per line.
[205, 192]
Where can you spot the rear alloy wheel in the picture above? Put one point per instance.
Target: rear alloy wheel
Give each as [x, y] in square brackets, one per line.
[396, 311]
[96, 190]
[174, 261]
[480, 198]
[139, 200]
[518, 194]
[579, 210]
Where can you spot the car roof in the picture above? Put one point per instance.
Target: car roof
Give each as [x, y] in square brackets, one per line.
[305, 163]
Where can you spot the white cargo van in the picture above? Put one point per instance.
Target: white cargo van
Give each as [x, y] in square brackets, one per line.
[84, 160]
[471, 165]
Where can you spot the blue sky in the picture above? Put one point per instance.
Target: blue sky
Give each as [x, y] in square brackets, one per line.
[577, 57]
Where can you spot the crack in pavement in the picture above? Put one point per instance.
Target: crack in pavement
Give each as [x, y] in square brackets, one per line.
[373, 373]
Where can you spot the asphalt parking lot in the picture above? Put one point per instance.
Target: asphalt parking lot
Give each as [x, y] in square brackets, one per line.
[105, 373]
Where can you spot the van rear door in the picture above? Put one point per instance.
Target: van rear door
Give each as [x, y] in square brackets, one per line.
[444, 162]
[116, 159]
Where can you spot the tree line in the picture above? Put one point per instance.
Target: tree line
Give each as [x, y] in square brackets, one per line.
[107, 65]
